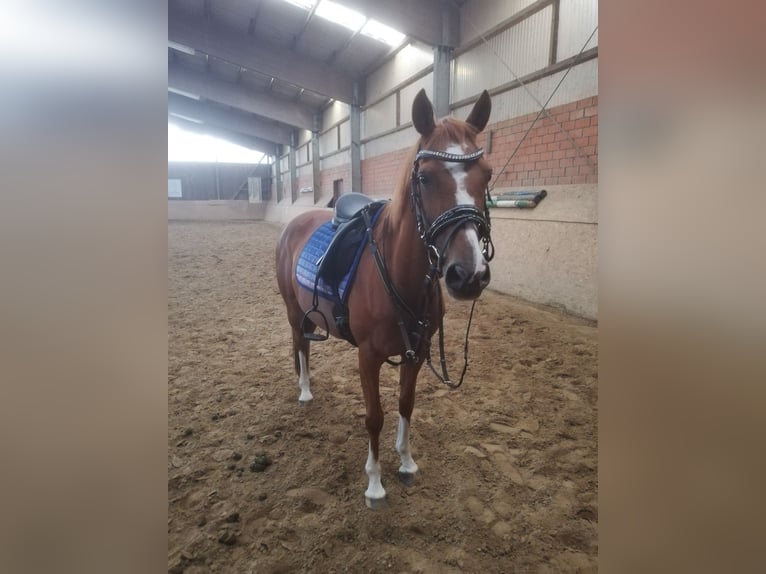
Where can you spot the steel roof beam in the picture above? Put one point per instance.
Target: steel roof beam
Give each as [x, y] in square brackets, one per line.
[236, 96]
[228, 119]
[239, 48]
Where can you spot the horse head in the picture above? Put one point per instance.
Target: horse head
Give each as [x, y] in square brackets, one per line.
[449, 192]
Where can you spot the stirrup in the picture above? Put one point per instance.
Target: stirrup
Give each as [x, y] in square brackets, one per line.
[315, 336]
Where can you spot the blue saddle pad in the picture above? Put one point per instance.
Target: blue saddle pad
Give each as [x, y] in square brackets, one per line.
[316, 246]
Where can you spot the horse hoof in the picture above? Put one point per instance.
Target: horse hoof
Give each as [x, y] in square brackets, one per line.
[375, 503]
[304, 403]
[408, 478]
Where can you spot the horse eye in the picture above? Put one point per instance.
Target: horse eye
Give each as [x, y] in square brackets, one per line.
[423, 178]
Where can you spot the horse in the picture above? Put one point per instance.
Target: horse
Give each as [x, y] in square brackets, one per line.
[436, 225]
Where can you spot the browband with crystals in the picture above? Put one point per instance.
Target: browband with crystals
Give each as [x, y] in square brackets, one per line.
[444, 156]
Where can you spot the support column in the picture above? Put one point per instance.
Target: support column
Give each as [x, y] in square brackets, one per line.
[293, 169]
[554, 47]
[355, 121]
[317, 173]
[278, 173]
[442, 57]
[217, 180]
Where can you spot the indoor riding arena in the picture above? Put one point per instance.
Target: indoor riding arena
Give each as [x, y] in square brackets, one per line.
[329, 98]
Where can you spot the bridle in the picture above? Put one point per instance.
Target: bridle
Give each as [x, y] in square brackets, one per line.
[455, 217]
[452, 220]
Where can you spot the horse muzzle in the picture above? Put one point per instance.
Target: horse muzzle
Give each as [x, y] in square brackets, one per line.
[465, 284]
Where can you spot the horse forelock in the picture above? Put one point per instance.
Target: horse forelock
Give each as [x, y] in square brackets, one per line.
[448, 132]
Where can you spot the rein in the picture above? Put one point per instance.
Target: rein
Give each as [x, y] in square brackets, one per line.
[455, 218]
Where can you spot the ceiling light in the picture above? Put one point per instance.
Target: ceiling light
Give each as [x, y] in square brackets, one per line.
[375, 29]
[183, 93]
[181, 48]
[187, 118]
[346, 17]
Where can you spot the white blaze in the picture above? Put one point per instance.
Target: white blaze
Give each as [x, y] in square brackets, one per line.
[462, 197]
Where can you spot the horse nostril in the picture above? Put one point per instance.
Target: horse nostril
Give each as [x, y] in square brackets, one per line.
[456, 275]
[465, 284]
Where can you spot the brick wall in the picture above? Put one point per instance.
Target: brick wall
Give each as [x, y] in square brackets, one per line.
[329, 175]
[381, 174]
[305, 181]
[547, 156]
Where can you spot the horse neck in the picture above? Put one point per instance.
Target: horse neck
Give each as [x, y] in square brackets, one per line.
[402, 247]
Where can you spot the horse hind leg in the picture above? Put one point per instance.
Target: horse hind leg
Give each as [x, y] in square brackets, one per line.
[301, 352]
[295, 315]
[408, 375]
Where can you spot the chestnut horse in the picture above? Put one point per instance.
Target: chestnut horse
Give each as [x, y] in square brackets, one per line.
[436, 225]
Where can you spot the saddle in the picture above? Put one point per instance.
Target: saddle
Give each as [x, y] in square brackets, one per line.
[336, 266]
[349, 229]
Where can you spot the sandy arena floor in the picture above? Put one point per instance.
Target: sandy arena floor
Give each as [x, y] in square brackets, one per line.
[508, 479]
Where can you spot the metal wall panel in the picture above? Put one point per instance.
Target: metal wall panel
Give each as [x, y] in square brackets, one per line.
[410, 60]
[392, 142]
[379, 118]
[407, 95]
[577, 19]
[336, 160]
[334, 113]
[582, 82]
[305, 171]
[476, 17]
[198, 179]
[304, 136]
[524, 48]
[328, 142]
[345, 134]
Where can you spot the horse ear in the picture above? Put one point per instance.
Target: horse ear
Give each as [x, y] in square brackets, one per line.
[479, 115]
[423, 114]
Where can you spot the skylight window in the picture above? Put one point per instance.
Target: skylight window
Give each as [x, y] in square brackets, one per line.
[183, 93]
[378, 31]
[187, 118]
[346, 17]
[185, 145]
[305, 4]
[353, 20]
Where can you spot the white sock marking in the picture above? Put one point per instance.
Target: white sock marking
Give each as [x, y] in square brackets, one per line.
[403, 447]
[375, 488]
[304, 381]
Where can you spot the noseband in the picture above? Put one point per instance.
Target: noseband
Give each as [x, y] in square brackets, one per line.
[456, 217]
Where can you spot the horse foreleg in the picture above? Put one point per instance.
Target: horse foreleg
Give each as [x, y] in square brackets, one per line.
[369, 370]
[408, 375]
